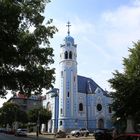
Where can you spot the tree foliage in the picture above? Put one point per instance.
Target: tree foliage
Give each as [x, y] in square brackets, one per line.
[43, 114]
[40, 116]
[10, 113]
[25, 52]
[127, 85]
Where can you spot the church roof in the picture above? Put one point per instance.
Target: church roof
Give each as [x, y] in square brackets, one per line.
[54, 92]
[69, 39]
[87, 85]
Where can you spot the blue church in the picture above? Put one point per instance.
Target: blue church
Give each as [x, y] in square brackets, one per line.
[79, 102]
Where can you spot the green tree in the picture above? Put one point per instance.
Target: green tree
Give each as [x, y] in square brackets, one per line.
[10, 113]
[25, 52]
[127, 86]
[39, 114]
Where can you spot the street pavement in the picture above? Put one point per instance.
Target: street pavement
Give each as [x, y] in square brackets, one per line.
[4, 136]
[32, 136]
[47, 136]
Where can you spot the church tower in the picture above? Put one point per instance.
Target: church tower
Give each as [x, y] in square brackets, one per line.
[68, 84]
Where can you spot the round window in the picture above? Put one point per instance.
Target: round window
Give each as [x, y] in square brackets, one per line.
[99, 107]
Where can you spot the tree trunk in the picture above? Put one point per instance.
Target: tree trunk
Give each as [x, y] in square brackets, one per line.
[130, 125]
[40, 129]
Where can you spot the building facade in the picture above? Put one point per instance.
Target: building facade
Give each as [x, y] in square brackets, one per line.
[26, 103]
[79, 102]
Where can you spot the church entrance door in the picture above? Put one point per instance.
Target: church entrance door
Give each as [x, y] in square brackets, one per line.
[100, 123]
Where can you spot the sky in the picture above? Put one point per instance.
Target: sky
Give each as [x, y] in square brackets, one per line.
[103, 31]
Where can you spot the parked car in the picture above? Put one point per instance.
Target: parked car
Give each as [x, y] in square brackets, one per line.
[12, 132]
[9, 131]
[128, 137]
[2, 130]
[21, 132]
[80, 132]
[102, 134]
[60, 134]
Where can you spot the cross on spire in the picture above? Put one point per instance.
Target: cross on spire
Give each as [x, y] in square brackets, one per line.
[68, 24]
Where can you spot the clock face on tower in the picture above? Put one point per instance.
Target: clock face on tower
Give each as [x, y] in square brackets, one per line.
[68, 44]
[68, 64]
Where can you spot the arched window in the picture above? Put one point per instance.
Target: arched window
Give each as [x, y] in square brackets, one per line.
[66, 55]
[109, 109]
[74, 78]
[49, 106]
[70, 55]
[80, 107]
[60, 122]
[61, 73]
[61, 111]
[68, 94]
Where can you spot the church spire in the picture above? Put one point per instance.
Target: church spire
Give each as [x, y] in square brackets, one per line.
[68, 24]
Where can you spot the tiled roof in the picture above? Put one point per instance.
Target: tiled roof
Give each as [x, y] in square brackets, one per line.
[54, 90]
[86, 85]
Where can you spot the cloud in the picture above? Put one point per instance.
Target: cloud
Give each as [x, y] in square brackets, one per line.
[121, 27]
[101, 44]
[136, 2]
[109, 43]
[125, 17]
[78, 27]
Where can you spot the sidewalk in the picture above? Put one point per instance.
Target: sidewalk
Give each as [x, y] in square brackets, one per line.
[47, 136]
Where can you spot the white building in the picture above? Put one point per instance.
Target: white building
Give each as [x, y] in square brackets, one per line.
[79, 102]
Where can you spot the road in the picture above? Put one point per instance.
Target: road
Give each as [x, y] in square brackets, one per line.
[4, 136]
[12, 137]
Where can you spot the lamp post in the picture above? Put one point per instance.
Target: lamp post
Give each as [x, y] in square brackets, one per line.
[38, 122]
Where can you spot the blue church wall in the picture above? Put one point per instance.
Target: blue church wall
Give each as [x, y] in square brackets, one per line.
[56, 112]
[83, 119]
[91, 125]
[88, 117]
[52, 103]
